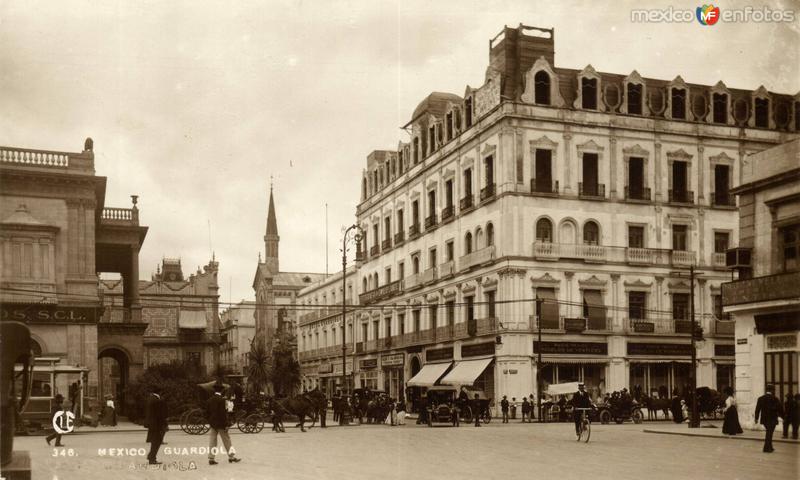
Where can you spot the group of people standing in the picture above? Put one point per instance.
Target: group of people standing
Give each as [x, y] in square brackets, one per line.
[527, 408]
[369, 408]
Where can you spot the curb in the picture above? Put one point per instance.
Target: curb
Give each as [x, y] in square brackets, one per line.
[732, 437]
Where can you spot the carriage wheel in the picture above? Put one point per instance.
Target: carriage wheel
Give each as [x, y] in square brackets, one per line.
[183, 424]
[196, 422]
[250, 423]
[486, 417]
[605, 417]
[637, 416]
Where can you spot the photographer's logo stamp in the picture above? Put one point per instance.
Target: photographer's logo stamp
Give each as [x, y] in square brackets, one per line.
[64, 422]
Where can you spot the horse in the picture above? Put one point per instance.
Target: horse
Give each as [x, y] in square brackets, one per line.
[654, 405]
[305, 404]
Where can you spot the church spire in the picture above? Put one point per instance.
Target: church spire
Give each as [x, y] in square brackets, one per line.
[271, 239]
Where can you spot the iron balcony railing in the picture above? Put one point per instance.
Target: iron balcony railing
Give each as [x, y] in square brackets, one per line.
[544, 185]
[430, 221]
[467, 202]
[637, 193]
[399, 237]
[448, 213]
[413, 231]
[681, 196]
[386, 245]
[723, 199]
[487, 192]
[591, 190]
[374, 250]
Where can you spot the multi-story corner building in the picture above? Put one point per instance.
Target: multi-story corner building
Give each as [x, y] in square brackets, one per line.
[237, 330]
[592, 191]
[765, 301]
[319, 332]
[56, 234]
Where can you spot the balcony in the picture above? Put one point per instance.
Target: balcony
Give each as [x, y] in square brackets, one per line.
[419, 337]
[682, 258]
[722, 199]
[718, 260]
[120, 216]
[413, 231]
[770, 288]
[429, 276]
[603, 253]
[591, 190]
[724, 328]
[374, 250]
[478, 257]
[399, 238]
[555, 251]
[680, 196]
[447, 269]
[412, 281]
[430, 222]
[544, 186]
[572, 324]
[359, 347]
[387, 291]
[639, 193]
[467, 202]
[488, 192]
[448, 213]
[657, 326]
[386, 245]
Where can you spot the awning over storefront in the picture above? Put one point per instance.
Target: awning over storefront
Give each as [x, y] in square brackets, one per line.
[466, 372]
[429, 374]
[658, 360]
[578, 361]
[195, 319]
[593, 302]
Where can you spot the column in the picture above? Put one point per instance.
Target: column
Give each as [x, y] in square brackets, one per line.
[567, 161]
[701, 236]
[569, 310]
[133, 283]
[615, 303]
[701, 166]
[612, 160]
[657, 171]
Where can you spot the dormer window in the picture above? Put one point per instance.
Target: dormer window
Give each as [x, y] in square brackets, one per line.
[761, 112]
[797, 116]
[589, 93]
[449, 126]
[416, 150]
[542, 88]
[431, 139]
[720, 108]
[440, 133]
[468, 111]
[634, 98]
[678, 99]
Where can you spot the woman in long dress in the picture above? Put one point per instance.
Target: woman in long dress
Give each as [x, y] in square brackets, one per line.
[730, 425]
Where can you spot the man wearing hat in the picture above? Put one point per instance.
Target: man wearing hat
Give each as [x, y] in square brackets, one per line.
[580, 400]
[156, 423]
[58, 405]
[768, 408]
[218, 420]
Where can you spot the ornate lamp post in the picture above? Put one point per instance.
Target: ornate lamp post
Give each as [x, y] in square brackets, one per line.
[357, 236]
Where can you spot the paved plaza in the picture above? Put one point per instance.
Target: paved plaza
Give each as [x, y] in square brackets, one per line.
[513, 451]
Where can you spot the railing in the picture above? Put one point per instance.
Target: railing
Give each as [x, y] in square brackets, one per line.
[544, 185]
[602, 253]
[386, 245]
[637, 193]
[448, 213]
[430, 221]
[466, 202]
[429, 275]
[447, 269]
[657, 326]
[572, 324]
[723, 199]
[680, 196]
[412, 281]
[445, 333]
[370, 345]
[782, 286]
[487, 192]
[718, 260]
[374, 250]
[121, 216]
[37, 158]
[399, 237]
[380, 293]
[477, 257]
[680, 257]
[553, 251]
[413, 231]
[591, 190]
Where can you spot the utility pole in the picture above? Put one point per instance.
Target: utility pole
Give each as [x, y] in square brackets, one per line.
[538, 311]
[694, 422]
[357, 238]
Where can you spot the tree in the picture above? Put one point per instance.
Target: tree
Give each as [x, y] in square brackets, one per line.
[285, 371]
[258, 371]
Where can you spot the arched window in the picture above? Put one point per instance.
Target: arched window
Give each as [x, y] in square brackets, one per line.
[363, 284]
[591, 234]
[544, 230]
[541, 86]
[762, 112]
[36, 348]
[415, 263]
[479, 238]
[720, 107]
[376, 280]
[589, 93]
[468, 243]
[489, 235]
[634, 99]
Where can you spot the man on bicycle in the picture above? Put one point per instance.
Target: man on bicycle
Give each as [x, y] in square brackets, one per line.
[580, 400]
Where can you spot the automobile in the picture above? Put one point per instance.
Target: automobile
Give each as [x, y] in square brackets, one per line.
[442, 404]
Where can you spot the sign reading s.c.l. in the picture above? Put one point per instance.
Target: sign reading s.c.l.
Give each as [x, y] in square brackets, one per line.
[33, 313]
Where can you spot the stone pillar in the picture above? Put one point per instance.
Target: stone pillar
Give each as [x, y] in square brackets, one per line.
[570, 307]
[615, 303]
[567, 161]
[701, 236]
[659, 290]
[657, 186]
[133, 284]
[612, 160]
[701, 166]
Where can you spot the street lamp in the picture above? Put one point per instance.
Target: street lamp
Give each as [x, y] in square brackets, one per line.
[357, 236]
[694, 421]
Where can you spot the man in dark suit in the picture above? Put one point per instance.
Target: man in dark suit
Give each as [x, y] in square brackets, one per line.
[476, 410]
[768, 409]
[58, 406]
[218, 420]
[156, 418]
[504, 408]
[580, 400]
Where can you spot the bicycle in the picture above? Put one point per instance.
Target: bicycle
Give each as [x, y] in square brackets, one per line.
[585, 427]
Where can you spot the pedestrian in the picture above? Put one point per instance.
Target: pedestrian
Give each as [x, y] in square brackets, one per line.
[504, 408]
[336, 403]
[513, 408]
[323, 412]
[401, 411]
[218, 421]
[533, 409]
[796, 415]
[156, 419]
[730, 424]
[684, 411]
[526, 410]
[58, 406]
[109, 413]
[74, 394]
[789, 408]
[476, 408]
[455, 413]
[675, 407]
[768, 409]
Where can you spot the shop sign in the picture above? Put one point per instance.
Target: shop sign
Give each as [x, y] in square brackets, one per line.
[666, 349]
[477, 349]
[574, 324]
[33, 313]
[326, 367]
[724, 350]
[781, 342]
[394, 360]
[572, 348]
[741, 341]
[644, 327]
[368, 363]
[439, 354]
[337, 369]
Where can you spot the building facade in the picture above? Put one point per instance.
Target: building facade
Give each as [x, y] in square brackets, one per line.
[56, 234]
[319, 332]
[237, 330]
[765, 301]
[592, 191]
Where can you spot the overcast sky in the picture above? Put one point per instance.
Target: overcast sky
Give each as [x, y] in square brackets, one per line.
[194, 105]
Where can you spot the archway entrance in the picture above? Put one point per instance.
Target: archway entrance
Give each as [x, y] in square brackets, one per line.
[414, 394]
[113, 371]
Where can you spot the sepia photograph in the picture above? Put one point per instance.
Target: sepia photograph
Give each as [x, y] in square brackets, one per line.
[399, 239]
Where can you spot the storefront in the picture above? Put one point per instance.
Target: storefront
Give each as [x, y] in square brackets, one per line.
[564, 362]
[393, 381]
[368, 373]
[659, 369]
[724, 365]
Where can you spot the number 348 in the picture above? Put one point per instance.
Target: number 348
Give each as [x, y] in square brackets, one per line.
[64, 452]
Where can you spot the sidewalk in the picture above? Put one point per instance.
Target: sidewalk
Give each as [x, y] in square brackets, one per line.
[713, 429]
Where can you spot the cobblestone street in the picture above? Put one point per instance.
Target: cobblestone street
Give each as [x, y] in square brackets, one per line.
[372, 451]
